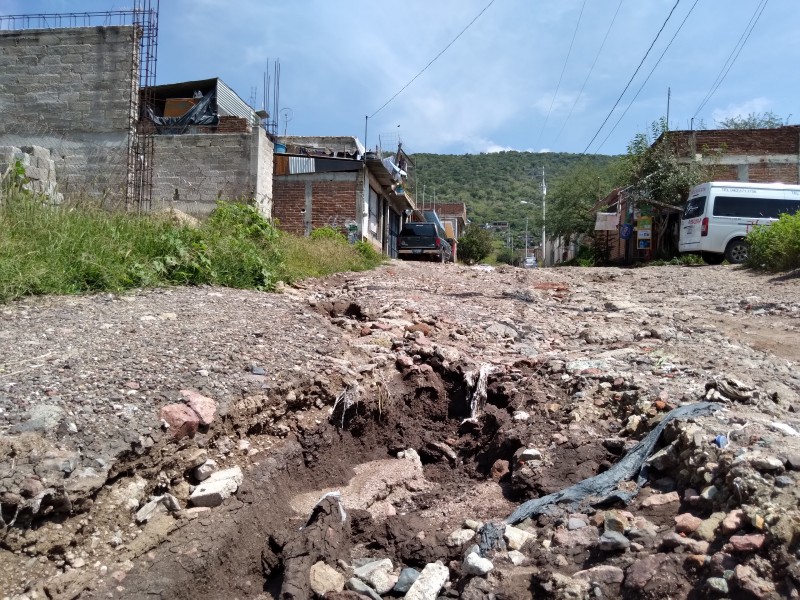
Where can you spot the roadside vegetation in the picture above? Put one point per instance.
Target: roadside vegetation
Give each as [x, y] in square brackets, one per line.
[70, 250]
[777, 247]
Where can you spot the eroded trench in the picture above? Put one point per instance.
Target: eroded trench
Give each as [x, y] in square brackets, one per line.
[264, 540]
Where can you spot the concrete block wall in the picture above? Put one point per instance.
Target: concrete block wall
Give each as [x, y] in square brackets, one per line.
[311, 200]
[192, 171]
[71, 91]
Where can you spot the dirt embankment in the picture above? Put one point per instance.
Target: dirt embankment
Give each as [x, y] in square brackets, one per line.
[430, 401]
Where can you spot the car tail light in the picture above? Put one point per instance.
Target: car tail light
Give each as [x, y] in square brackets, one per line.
[704, 227]
[438, 242]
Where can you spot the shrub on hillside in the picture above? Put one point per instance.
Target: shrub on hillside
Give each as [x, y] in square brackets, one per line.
[776, 247]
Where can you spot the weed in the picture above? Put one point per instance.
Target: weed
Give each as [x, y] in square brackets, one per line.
[776, 247]
[67, 250]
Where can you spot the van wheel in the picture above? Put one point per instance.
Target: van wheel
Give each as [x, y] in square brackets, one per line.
[712, 258]
[736, 252]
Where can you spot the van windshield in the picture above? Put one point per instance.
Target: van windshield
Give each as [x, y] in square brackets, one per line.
[695, 208]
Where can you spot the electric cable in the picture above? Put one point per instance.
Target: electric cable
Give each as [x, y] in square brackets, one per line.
[608, 116]
[561, 77]
[433, 60]
[740, 45]
[591, 70]
[641, 87]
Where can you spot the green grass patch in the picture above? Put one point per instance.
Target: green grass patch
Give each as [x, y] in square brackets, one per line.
[70, 250]
[776, 247]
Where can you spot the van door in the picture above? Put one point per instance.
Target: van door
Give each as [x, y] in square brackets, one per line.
[692, 224]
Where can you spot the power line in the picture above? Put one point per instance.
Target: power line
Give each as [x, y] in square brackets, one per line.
[751, 24]
[591, 70]
[608, 116]
[560, 77]
[641, 87]
[433, 60]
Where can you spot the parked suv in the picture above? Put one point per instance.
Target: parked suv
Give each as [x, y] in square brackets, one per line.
[423, 240]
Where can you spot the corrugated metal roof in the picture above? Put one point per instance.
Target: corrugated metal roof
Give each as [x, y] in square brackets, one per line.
[230, 104]
[300, 164]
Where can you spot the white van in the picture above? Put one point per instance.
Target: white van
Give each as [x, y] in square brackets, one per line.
[719, 214]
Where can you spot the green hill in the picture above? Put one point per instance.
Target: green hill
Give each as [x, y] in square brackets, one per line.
[494, 185]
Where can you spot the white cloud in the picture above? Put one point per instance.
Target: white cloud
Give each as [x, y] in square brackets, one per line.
[493, 148]
[756, 105]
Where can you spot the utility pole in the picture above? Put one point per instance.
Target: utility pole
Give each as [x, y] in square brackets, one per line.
[669, 93]
[526, 236]
[544, 220]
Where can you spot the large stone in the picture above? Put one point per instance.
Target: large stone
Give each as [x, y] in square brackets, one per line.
[675, 540]
[205, 470]
[355, 584]
[749, 581]
[206, 408]
[661, 499]
[324, 578]
[687, 523]
[377, 574]
[219, 486]
[477, 565]
[708, 528]
[614, 521]
[182, 420]
[407, 578]
[429, 582]
[602, 574]
[516, 538]
[747, 543]
[576, 539]
[733, 521]
[460, 537]
[613, 541]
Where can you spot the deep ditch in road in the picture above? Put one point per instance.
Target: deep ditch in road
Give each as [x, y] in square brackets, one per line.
[250, 544]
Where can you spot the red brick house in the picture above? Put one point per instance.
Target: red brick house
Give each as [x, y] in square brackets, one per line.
[332, 181]
[755, 155]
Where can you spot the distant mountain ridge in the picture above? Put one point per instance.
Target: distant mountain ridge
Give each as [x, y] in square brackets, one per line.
[494, 185]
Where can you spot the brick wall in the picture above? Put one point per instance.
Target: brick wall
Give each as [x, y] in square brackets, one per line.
[315, 200]
[781, 140]
[755, 155]
[71, 91]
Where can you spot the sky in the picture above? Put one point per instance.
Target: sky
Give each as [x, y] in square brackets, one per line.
[528, 75]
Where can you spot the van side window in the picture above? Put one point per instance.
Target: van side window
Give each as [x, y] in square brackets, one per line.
[695, 208]
[754, 208]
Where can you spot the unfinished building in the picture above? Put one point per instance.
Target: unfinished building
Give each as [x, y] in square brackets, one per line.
[86, 93]
[73, 91]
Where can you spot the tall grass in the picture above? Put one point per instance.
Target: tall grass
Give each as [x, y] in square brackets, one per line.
[776, 247]
[69, 250]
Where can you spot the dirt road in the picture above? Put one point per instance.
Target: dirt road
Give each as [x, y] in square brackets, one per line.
[435, 399]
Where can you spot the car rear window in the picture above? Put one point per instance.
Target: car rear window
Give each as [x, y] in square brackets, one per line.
[695, 208]
[421, 229]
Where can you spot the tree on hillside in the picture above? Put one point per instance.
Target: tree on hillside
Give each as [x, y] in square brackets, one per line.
[766, 120]
[475, 244]
[572, 196]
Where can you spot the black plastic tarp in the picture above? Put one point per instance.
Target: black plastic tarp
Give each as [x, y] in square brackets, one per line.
[202, 113]
[602, 489]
